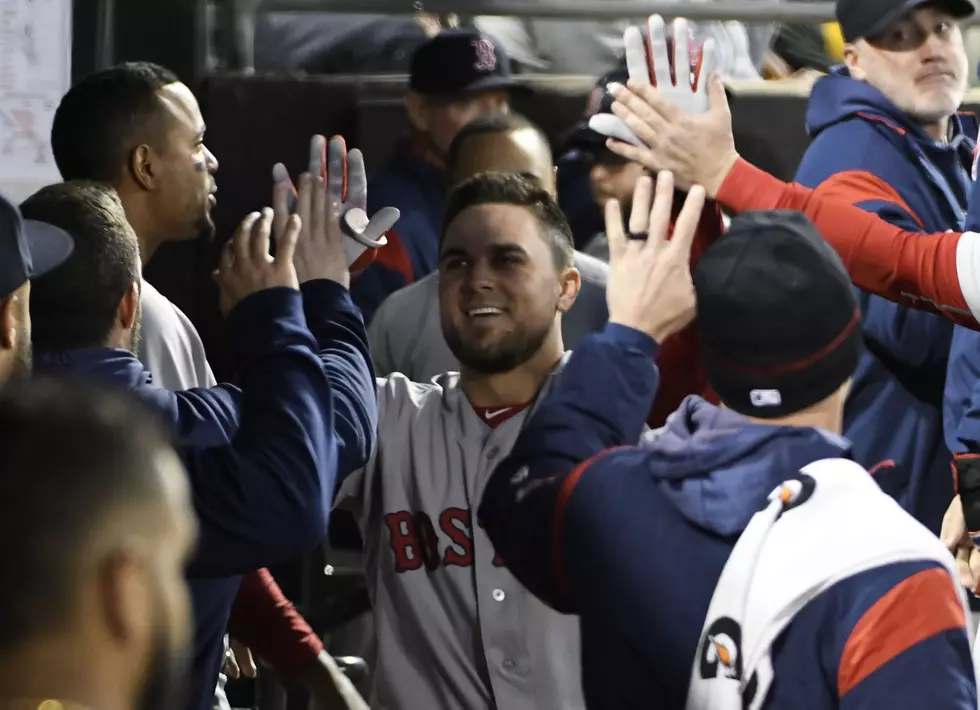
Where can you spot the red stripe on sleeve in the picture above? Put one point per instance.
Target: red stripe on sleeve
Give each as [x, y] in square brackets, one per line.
[914, 610]
[558, 519]
[915, 269]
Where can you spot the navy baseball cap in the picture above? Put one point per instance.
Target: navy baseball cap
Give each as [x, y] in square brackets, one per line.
[860, 19]
[779, 323]
[27, 248]
[457, 63]
[583, 138]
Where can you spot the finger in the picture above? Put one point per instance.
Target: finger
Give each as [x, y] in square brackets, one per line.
[247, 664]
[615, 234]
[280, 208]
[718, 99]
[226, 260]
[707, 65]
[259, 242]
[316, 163]
[231, 666]
[281, 176]
[304, 207]
[337, 169]
[645, 131]
[286, 244]
[636, 56]
[686, 224]
[611, 126]
[663, 203]
[682, 53]
[242, 238]
[356, 180]
[643, 156]
[652, 106]
[659, 59]
[640, 211]
[383, 220]
[319, 215]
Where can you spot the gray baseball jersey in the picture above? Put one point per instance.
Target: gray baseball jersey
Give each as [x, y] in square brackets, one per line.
[406, 336]
[455, 629]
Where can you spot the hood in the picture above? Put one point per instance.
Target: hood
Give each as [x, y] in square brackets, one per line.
[837, 97]
[118, 366]
[718, 468]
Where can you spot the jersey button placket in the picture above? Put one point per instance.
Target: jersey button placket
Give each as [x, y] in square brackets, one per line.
[499, 595]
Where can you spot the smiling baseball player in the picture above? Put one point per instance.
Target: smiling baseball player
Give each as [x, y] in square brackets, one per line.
[455, 629]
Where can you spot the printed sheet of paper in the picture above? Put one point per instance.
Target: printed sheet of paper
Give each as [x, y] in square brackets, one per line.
[35, 72]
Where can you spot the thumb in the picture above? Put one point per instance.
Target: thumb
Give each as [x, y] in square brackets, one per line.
[717, 98]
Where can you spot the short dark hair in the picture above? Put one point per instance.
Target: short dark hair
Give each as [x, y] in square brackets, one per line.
[75, 305]
[489, 124]
[105, 116]
[521, 190]
[74, 456]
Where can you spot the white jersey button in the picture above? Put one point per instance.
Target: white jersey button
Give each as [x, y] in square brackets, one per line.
[492, 453]
[499, 595]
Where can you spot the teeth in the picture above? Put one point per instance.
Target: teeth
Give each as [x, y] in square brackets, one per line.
[488, 311]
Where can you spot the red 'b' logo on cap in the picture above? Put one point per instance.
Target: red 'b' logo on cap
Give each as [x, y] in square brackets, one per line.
[486, 55]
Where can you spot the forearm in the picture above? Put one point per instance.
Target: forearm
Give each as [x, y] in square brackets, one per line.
[337, 325]
[939, 272]
[265, 621]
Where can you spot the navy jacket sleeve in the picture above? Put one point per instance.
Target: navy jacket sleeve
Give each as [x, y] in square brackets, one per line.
[307, 411]
[961, 410]
[892, 637]
[599, 401]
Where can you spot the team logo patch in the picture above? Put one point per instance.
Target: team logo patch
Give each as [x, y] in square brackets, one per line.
[721, 650]
[486, 55]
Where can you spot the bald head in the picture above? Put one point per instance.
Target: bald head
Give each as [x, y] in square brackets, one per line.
[504, 144]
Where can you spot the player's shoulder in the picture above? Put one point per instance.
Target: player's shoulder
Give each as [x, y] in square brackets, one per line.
[404, 403]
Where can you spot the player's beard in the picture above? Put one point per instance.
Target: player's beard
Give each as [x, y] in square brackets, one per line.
[505, 354]
[168, 671]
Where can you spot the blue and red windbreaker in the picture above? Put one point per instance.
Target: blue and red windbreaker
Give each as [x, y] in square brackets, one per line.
[869, 153]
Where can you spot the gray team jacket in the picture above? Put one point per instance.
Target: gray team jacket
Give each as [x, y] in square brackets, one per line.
[405, 334]
[455, 629]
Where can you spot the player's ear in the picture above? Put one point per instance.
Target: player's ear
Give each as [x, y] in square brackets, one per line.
[571, 283]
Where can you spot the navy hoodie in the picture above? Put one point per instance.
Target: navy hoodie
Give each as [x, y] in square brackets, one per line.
[634, 539]
[263, 460]
[867, 152]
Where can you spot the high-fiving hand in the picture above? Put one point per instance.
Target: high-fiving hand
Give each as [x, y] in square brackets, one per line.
[679, 79]
[650, 287]
[683, 128]
[345, 176]
[246, 267]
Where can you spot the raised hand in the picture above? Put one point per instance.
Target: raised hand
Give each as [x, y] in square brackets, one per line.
[678, 78]
[650, 287]
[346, 179]
[319, 251]
[246, 267]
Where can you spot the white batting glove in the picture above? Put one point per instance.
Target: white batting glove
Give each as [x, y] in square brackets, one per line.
[678, 79]
[346, 180]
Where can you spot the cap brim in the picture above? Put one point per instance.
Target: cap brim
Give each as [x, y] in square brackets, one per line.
[957, 8]
[584, 137]
[50, 246]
